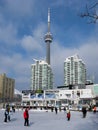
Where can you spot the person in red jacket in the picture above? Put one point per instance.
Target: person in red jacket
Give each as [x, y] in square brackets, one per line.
[26, 117]
[94, 109]
[68, 115]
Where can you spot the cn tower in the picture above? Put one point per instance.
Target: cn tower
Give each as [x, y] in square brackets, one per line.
[48, 39]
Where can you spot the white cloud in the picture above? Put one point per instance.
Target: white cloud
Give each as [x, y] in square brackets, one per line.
[35, 41]
[90, 55]
[30, 43]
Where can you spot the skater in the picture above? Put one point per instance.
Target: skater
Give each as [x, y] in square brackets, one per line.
[56, 110]
[64, 109]
[13, 109]
[68, 114]
[9, 113]
[51, 109]
[84, 111]
[94, 109]
[6, 115]
[26, 117]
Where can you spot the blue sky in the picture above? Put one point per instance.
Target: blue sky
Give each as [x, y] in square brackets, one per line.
[23, 24]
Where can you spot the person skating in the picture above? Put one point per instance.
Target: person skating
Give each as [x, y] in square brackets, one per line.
[94, 109]
[56, 110]
[51, 109]
[68, 114]
[84, 111]
[9, 119]
[64, 109]
[26, 117]
[6, 115]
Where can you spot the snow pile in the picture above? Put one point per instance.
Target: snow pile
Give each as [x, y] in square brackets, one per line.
[17, 92]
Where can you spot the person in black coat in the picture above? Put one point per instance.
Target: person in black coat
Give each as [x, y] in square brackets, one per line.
[56, 110]
[84, 111]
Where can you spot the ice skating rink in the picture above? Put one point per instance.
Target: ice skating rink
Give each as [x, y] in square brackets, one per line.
[42, 120]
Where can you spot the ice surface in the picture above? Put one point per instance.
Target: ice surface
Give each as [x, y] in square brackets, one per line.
[42, 120]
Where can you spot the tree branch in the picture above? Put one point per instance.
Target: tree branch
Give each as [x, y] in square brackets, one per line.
[90, 13]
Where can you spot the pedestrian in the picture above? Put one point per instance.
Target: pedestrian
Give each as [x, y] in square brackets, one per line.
[51, 109]
[94, 109]
[60, 109]
[68, 115]
[56, 110]
[26, 117]
[6, 115]
[9, 113]
[84, 111]
[64, 108]
[13, 109]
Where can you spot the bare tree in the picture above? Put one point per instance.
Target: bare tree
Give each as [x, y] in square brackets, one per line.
[91, 13]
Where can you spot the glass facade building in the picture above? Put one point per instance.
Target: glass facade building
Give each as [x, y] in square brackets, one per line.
[74, 71]
[41, 76]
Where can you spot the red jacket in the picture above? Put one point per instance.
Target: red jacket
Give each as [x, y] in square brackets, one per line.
[68, 115]
[26, 114]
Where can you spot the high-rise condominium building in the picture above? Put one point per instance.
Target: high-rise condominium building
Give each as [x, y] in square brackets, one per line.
[6, 88]
[41, 76]
[74, 71]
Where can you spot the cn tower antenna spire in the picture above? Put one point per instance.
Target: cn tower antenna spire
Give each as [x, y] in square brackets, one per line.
[48, 39]
[48, 19]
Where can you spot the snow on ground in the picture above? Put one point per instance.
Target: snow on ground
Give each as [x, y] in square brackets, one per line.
[42, 120]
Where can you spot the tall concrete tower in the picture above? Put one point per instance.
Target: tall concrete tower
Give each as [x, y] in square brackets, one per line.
[48, 39]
